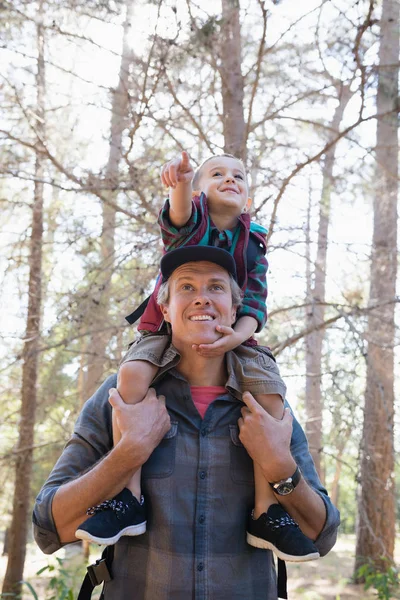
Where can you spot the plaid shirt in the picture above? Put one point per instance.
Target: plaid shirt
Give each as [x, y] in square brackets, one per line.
[256, 291]
[200, 486]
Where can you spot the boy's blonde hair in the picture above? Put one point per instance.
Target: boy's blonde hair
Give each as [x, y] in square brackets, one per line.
[197, 175]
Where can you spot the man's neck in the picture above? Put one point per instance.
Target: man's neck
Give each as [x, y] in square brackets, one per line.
[201, 371]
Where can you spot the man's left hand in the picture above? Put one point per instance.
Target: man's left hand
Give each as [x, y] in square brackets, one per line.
[266, 439]
[228, 341]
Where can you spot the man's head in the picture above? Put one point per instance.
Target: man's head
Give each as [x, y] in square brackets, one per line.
[198, 294]
[223, 180]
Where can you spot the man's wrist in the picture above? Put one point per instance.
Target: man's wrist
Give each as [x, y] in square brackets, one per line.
[280, 470]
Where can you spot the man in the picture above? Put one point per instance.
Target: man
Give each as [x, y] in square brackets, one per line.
[197, 472]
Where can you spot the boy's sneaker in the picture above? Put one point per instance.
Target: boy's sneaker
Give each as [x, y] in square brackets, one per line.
[123, 515]
[276, 530]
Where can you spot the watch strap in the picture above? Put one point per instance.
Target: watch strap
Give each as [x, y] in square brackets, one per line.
[293, 479]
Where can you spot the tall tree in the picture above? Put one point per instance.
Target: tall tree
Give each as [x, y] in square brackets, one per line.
[316, 291]
[376, 530]
[24, 452]
[232, 83]
[96, 318]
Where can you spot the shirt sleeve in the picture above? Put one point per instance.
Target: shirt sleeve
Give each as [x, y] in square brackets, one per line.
[255, 297]
[300, 452]
[174, 237]
[91, 440]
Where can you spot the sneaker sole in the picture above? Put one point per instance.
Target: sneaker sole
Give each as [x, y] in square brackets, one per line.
[128, 531]
[260, 543]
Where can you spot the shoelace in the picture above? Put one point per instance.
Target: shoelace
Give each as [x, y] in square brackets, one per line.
[277, 523]
[281, 522]
[116, 505]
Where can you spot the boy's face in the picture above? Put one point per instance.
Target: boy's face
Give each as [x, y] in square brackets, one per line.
[223, 180]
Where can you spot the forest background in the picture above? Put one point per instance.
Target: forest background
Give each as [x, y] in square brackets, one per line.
[95, 97]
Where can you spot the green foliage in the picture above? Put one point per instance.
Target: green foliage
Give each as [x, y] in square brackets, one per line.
[62, 583]
[386, 583]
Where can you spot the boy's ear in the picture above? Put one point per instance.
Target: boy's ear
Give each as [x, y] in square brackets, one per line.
[247, 206]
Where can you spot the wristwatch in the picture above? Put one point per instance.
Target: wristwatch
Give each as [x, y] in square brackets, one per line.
[286, 486]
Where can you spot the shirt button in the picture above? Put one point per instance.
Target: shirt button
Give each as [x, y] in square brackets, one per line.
[202, 474]
[204, 431]
[202, 519]
[200, 567]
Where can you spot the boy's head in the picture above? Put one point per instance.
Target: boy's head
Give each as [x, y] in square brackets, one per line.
[223, 180]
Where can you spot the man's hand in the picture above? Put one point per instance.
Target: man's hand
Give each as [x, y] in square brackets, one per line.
[266, 439]
[142, 425]
[230, 339]
[177, 171]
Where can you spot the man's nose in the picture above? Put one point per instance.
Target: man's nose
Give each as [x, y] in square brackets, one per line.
[202, 300]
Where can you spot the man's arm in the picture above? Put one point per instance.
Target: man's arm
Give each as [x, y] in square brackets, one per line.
[267, 441]
[178, 174]
[142, 430]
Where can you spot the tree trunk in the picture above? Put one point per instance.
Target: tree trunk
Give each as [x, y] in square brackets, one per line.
[316, 295]
[23, 469]
[234, 127]
[376, 526]
[100, 291]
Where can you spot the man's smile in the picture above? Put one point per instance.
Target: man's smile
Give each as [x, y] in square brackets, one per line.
[201, 318]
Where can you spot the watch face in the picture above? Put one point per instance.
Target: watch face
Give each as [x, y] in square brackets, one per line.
[284, 488]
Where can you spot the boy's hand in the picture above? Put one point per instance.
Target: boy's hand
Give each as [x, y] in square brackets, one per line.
[177, 171]
[229, 340]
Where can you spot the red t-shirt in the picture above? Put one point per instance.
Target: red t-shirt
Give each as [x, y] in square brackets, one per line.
[204, 395]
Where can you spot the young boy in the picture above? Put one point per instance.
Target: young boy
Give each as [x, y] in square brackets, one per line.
[218, 217]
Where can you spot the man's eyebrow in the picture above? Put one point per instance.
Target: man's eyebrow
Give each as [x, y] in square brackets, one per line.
[193, 278]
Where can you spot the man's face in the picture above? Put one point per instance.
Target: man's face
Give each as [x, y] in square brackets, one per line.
[200, 298]
[223, 180]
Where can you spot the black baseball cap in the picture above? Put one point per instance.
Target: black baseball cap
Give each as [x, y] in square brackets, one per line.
[175, 258]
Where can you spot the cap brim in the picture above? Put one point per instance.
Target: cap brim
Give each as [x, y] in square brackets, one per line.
[175, 258]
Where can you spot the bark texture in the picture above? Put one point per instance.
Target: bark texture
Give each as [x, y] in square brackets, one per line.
[97, 320]
[316, 295]
[23, 469]
[376, 527]
[234, 126]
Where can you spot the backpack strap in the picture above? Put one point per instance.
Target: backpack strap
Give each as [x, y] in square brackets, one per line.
[282, 579]
[137, 313]
[254, 250]
[97, 573]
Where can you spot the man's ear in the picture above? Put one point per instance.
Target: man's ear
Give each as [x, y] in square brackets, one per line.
[233, 317]
[164, 310]
[247, 206]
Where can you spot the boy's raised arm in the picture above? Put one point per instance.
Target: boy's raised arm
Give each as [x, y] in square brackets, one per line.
[178, 175]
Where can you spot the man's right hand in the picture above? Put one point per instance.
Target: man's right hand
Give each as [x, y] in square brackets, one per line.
[177, 171]
[142, 425]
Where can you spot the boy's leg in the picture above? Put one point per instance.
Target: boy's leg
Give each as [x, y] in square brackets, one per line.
[269, 526]
[125, 514]
[134, 379]
[264, 495]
